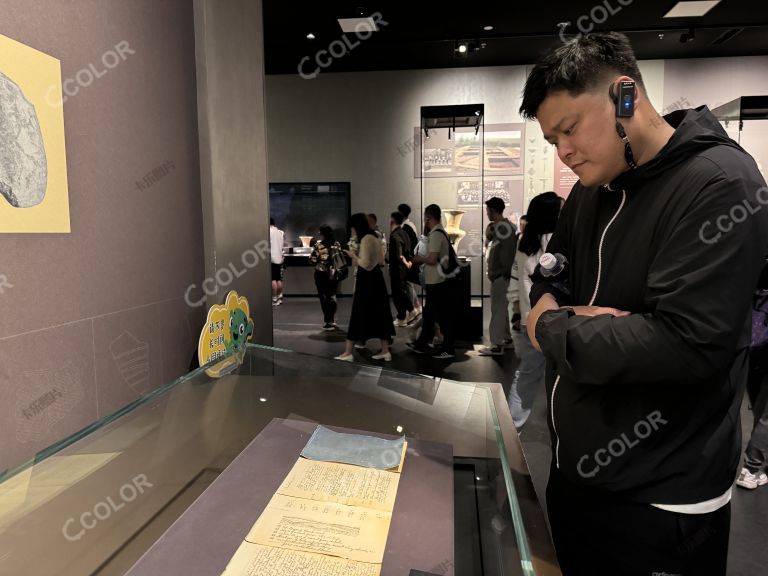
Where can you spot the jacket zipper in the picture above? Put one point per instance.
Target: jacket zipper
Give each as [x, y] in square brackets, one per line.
[591, 303]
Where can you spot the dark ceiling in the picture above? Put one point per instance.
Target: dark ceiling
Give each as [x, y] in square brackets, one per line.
[423, 34]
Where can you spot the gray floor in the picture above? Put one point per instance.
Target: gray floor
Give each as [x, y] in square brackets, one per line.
[297, 326]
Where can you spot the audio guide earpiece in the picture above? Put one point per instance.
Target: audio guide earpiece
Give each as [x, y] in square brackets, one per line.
[624, 101]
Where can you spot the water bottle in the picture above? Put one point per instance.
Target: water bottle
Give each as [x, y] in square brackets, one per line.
[554, 267]
[552, 264]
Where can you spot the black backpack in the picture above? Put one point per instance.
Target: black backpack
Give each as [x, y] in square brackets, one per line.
[451, 268]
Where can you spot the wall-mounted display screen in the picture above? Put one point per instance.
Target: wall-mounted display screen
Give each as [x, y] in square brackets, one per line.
[300, 208]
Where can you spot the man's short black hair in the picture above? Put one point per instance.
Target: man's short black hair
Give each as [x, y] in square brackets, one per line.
[398, 218]
[404, 209]
[434, 211]
[271, 221]
[580, 65]
[496, 204]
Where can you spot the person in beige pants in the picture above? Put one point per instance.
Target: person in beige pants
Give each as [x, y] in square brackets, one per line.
[501, 236]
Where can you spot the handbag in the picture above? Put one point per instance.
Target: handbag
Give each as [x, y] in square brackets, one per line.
[339, 266]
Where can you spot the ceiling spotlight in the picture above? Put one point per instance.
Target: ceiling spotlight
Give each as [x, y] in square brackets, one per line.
[310, 36]
[661, 36]
[487, 28]
[462, 48]
[426, 132]
[477, 112]
[686, 37]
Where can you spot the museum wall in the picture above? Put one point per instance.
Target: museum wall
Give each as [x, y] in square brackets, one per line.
[359, 128]
[715, 81]
[96, 317]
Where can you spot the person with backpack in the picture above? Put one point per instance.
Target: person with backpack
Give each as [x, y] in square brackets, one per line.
[399, 255]
[439, 272]
[327, 274]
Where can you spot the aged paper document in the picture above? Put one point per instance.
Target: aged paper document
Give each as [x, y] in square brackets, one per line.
[256, 560]
[327, 518]
[342, 483]
[351, 532]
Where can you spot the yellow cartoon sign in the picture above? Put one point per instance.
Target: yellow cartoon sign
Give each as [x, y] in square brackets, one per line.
[225, 334]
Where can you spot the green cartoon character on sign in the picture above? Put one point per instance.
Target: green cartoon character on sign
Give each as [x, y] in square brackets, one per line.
[240, 330]
[225, 335]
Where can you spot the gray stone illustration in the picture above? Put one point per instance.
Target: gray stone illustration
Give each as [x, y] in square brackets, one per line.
[23, 164]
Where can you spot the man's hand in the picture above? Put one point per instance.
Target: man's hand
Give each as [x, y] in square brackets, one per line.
[598, 311]
[546, 303]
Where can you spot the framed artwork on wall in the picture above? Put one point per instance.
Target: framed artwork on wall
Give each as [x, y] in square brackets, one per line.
[34, 195]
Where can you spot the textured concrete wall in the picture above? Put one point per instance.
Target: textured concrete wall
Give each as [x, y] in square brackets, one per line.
[230, 68]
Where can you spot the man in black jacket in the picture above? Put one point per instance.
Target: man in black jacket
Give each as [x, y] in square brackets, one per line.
[646, 331]
[400, 251]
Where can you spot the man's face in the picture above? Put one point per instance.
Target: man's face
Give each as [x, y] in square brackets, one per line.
[492, 215]
[428, 221]
[582, 128]
[371, 223]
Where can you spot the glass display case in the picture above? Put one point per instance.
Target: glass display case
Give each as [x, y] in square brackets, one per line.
[451, 174]
[462, 163]
[745, 119]
[96, 502]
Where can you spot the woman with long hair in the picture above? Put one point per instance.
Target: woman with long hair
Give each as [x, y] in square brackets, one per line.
[326, 277]
[541, 220]
[371, 315]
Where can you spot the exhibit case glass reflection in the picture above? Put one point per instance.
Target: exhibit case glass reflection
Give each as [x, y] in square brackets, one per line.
[172, 482]
[462, 163]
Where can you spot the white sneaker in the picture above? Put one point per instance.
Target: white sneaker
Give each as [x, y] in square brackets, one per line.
[751, 481]
[386, 356]
[411, 316]
[345, 357]
[400, 323]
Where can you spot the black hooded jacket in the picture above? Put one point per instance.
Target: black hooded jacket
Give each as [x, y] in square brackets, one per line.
[647, 405]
